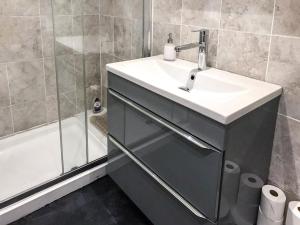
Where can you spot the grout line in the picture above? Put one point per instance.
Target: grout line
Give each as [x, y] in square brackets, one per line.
[289, 117]
[43, 62]
[10, 102]
[237, 31]
[219, 33]
[270, 41]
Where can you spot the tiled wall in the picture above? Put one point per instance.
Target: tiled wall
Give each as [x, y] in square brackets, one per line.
[254, 38]
[22, 67]
[121, 29]
[112, 32]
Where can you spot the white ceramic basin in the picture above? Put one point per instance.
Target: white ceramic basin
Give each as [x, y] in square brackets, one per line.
[217, 94]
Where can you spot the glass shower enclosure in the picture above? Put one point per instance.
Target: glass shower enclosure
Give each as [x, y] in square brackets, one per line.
[78, 38]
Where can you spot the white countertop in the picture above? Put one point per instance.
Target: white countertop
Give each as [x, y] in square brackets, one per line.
[217, 94]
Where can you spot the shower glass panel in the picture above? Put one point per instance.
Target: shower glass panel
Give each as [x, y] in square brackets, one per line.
[88, 35]
[69, 60]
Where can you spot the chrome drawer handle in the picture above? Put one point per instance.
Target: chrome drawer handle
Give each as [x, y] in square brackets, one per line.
[157, 179]
[161, 121]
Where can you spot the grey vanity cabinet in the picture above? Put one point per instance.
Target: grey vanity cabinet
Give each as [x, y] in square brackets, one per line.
[169, 159]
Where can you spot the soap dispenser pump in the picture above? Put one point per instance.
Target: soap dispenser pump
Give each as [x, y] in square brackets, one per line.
[169, 49]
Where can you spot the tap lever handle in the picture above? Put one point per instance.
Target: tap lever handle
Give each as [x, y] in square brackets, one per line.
[203, 35]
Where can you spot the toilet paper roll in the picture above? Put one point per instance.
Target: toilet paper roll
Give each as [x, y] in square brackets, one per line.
[264, 220]
[250, 189]
[231, 181]
[293, 214]
[272, 202]
[247, 204]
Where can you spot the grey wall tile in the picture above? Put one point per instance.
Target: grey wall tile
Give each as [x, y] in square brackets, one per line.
[45, 7]
[66, 73]
[106, 59]
[285, 167]
[28, 115]
[20, 38]
[26, 81]
[250, 15]
[86, 7]
[47, 35]
[50, 76]
[128, 8]
[187, 36]
[167, 11]
[160, 36]
[67, 104]
[204, 13]
[92, 70]
[122, 38]
[243, 53]
[52, 108]
[106, 7]
[62, 7]
[284, 69]
[137, 39]
[287, 17]
[19, 7]
[4, 91]
[63, 29]
[6, 127]
[107, 34]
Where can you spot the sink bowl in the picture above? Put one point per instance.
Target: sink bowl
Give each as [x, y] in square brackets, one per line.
[217, 94]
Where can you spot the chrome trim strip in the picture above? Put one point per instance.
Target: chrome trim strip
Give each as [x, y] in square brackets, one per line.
[161, 121]
[157, 179]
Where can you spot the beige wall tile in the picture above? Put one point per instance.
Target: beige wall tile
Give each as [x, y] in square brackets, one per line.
[250, 15]
[284, 69]
[244, 54]
[287, 17]
[204, 13]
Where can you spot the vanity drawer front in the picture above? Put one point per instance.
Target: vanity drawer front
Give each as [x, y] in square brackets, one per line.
[200, 126]
[154, 200]
[188, 165]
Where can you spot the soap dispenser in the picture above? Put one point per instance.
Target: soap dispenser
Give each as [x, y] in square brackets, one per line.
[169, 50]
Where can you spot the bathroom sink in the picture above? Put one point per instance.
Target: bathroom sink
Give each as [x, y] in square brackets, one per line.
[217, 94]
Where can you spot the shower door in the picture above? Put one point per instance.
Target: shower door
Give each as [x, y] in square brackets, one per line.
[88, 34]
[70, 73]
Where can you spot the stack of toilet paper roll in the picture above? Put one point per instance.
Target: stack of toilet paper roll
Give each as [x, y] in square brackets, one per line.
[293, 214]
[246, 208]
[272, 206]
[231, 181]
